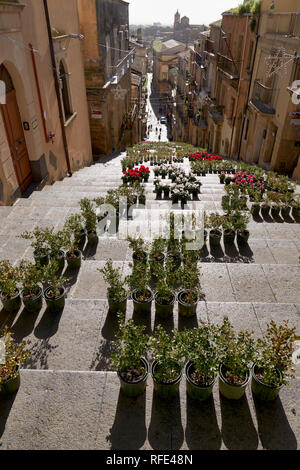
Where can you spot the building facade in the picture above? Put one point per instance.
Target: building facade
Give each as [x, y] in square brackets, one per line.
[44, 130]
[271, 136]
[107, 63]
[165, 57]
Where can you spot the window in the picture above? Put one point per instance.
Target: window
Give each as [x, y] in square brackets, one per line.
[65, 91]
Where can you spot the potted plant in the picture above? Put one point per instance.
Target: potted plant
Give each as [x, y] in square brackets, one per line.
[39, 243]
[15, 355]
[142, 295]
[296, 207]
[158, 188]
[129, 359]
[75, 224]
[156, 256]
[164, 295]
[255, 208]
[31, 276]
[200, 348]
[189, 295]
[240, 222]
[56, 241]
[73, 238]
[166, 369]
[215, 234]
[273, 366]
[55, 293]
[237, 354]
[286, 199]
[139, 249]
[265, 207]
[9, 286]
[90, 217]
[117, 291]
[228, 228]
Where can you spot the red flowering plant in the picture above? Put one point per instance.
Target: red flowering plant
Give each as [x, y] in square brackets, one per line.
[144, 172]
[134, 175]
[208, 157]
[248, 181]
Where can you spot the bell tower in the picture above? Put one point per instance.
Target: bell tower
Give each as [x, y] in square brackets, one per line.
[176, 19]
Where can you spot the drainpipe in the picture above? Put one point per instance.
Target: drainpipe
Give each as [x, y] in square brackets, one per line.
[39, 93]
[57, 88]
[250, 86]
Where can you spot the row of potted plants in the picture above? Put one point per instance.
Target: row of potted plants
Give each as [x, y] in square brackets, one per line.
[30, 283]
[156, 276]
[231, 225]
[208, 352]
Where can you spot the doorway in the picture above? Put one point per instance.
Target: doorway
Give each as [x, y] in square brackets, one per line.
[14, 133]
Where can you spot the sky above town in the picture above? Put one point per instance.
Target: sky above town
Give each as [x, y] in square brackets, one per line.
[163, 11]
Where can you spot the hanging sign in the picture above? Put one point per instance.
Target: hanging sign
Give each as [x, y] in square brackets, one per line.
[295, 121]
[96, 112]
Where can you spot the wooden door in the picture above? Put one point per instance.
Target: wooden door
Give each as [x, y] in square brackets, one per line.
[16, 140]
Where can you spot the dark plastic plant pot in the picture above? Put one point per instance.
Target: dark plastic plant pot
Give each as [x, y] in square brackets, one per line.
[229, 237]
[74, 262]
[243, 237]
[265, 211]
[255, 210]
[285, 212]
[231, 391]
[141, 259]
[195, 391]
[133, 389]
[215, 237]
[262, 391]
[11, 385]
[185, 309]
[60, 259]
[164, 310]
[116, 307]
[296, 213]
[42, 259]
[13, 304]
[55, 304]
[92, 238]
[165, 390]
[142, 308]
[275, 211]
[35, 303]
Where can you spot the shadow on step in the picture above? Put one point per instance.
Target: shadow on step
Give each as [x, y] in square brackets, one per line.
[129, 430]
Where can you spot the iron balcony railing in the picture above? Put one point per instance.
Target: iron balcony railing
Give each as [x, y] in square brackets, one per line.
[263, 97]
[229, 66]
[119, 70]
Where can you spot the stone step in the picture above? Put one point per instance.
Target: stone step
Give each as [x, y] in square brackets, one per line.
[99, 417]
[82, 336]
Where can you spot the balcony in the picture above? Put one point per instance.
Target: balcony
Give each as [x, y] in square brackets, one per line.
[228, 66]
[283, 24]
[119, 70]
[209, 47]
[263, 98]
[216, 113]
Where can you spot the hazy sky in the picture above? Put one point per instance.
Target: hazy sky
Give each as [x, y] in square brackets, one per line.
[163, 11]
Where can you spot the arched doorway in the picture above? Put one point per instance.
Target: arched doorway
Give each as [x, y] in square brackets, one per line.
[14, 132]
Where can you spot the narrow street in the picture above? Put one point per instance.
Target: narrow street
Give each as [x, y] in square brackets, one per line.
[155, 110]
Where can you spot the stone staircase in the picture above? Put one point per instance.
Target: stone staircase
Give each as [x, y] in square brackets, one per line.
[69, 400]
